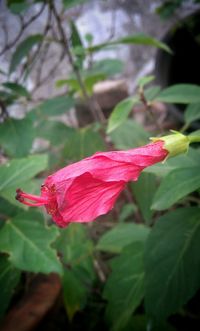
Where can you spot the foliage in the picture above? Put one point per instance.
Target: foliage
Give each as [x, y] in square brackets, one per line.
[143, 265]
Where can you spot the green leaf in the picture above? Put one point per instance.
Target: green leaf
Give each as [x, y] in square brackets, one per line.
[91, 80]
[176, 185]
[151, 93]
[77, 255]
[129, 135]
[56, 132]
[122, 235]
[171, 262]
[16, 136]
[195, 133]
[17, 6]
[142, 323]
[120, 113]
[75, 36]
[27, 241]
[124, 289]
[145, 80]
[139, 39]
[76, 249]
[143, 191]
[109, 67]
[99, 71]
[167, 9]
[83, 143]
[77, 45]
[137, 323]
[9, 278]
[180, 93]
[7, 97]
[18, 89]
[32, 186]
[53, 107]
[192, 113]
[71, 3]
[17, 171]
[74, 293]
[23, 49]
[7, 209]
[127, 211]
[191, 159]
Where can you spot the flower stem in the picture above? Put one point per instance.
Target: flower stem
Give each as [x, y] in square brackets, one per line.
[194, 139]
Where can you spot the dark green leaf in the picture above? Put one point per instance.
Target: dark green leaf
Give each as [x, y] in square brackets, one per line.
[71, 3]
[77, 254]
[176, 185]
[122, 235]
[120, 113]
[143, 323]
[124, 289]
[18, 89]
[9, 278]
[77, 45]
[7, 210]
[16, 136]
[83, 143]
[127, 211]
[171, 261]
[56, 132]
[53, 107]
[143, 191]
[77, 251]
[27, 241]
[23, 49]
[192, 113]
[180, 93]
[129, 135]
[74, 293]
[17, 6]
[167, 9]
[75, 36]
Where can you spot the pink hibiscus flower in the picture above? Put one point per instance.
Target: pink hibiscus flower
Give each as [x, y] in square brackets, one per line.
[89, 188]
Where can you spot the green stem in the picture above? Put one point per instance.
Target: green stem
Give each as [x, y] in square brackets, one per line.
[194, 139]
[184, 128]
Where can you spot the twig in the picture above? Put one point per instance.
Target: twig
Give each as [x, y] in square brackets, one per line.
[148, 108]
[4, 114]
[23, 26]
[33, 60]
[50, 73]
[93, 106]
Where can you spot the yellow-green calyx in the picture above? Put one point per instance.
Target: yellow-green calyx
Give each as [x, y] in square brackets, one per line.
[175, 143]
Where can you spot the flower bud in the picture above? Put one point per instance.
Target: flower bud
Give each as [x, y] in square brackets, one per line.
[175, 143]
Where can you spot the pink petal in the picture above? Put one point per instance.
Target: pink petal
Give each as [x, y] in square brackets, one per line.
[88, 198]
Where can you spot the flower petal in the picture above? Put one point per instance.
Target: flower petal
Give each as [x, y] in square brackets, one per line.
[89, 197]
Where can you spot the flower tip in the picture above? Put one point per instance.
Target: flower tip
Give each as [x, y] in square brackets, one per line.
[176, 143]
[18, 195]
